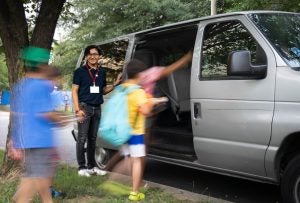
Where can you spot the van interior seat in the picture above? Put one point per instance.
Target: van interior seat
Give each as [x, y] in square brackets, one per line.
[147, 56]
[179, 89]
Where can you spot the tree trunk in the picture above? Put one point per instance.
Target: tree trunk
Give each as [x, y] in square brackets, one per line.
[14, 36]
[213, 7]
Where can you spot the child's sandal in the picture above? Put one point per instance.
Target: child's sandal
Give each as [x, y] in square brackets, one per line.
[134, 196]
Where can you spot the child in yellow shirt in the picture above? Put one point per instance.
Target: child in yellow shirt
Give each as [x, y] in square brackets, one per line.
[138, 108]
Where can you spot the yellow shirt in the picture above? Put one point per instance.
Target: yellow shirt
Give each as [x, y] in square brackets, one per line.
[134, 100]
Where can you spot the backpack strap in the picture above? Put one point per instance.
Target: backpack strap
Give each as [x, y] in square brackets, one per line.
[128, 90]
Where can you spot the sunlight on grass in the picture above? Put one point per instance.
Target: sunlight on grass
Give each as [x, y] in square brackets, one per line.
[88, 190]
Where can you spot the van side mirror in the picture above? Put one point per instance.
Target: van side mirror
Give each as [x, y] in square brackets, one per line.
[239, 64]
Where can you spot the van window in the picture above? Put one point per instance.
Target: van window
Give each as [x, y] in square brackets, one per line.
[285, 40]
[113, 58]
[219, 40]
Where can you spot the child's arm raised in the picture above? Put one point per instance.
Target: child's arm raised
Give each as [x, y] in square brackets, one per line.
[146, 108]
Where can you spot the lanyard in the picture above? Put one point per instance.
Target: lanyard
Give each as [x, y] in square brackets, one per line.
[92, 76]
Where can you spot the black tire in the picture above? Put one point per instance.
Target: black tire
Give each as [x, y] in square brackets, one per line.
[102, 156]
[290, 184]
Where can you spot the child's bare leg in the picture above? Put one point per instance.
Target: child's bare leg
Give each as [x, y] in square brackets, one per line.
[26, 191]
[43, 185]
[137, 172]
[115, 159]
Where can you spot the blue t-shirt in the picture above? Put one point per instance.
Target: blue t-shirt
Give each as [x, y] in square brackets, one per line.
[31, 99]
[83, 79]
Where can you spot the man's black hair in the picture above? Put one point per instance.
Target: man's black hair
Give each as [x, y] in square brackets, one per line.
[134, 67]
[88, 48]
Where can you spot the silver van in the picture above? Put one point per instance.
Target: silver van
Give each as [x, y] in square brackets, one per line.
[235, 110]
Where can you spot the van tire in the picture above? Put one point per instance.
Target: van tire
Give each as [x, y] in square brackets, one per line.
[290, 185]
[102, 156]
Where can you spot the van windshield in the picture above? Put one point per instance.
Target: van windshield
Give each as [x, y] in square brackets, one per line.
[283, 32]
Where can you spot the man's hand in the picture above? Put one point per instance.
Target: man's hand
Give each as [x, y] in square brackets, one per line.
[81, 115]
[118, 80]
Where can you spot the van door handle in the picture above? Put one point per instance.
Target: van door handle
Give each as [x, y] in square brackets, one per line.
[197, 110]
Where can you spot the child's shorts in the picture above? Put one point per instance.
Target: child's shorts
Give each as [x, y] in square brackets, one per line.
[135, 147]
[40, 162]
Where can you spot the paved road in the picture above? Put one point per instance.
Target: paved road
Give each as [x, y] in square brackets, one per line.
[64, 139]
[4, 116]
[217, 186]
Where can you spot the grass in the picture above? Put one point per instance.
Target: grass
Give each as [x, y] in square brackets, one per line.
[86, 190]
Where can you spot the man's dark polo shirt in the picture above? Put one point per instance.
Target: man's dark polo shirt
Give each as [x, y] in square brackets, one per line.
[83, 79]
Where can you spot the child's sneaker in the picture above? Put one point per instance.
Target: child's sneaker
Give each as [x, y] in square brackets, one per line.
[96, 171]
[83, 172]
[134, 196]
[56, 194]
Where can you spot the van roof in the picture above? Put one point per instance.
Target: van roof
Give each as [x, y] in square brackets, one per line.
[191, 21]
[208, 17]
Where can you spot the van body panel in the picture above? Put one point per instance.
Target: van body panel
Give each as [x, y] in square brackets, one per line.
[271, 170]
[286, 122]
[286, 119]
[242, 110]
[230, 159]
[207, 168]
[287, 85]
[243, 127]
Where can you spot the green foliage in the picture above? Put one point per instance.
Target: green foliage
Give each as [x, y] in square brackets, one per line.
[68, 180]
[110, 18]
[3, 73]
[245, 5]
[7, 187]
[100, 20]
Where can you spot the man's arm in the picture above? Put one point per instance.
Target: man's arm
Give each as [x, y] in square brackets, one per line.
[180, 63]
[75, 100]
[110, 88]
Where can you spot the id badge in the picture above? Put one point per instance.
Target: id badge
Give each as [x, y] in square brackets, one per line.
[94, 89]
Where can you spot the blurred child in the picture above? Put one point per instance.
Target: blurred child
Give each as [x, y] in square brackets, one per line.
[147, 80]
[138, 108]
[32, 122]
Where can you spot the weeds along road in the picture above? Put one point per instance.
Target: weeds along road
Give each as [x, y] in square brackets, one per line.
[217, 186]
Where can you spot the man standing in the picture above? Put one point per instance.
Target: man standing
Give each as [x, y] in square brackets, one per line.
[89, 86]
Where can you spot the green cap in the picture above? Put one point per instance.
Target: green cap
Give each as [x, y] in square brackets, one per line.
[33, 56]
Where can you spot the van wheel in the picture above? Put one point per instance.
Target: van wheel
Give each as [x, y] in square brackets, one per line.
[290, 185]
[102, 156]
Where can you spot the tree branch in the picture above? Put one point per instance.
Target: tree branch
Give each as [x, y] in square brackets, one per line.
[46, 23]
